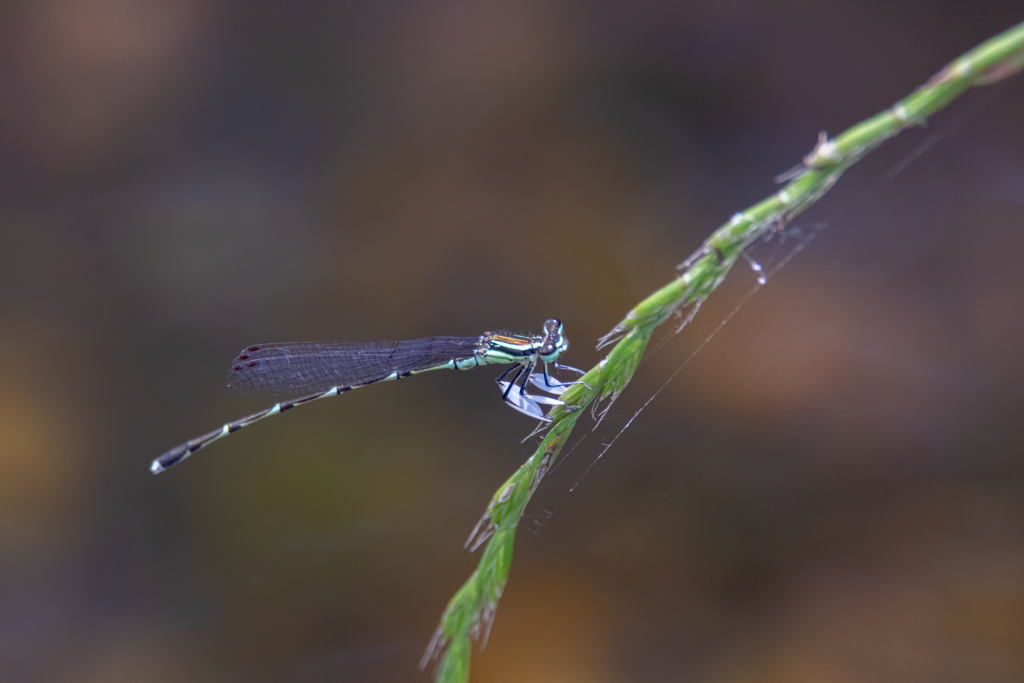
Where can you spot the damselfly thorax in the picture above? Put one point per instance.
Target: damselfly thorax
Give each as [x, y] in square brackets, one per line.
[323, 369]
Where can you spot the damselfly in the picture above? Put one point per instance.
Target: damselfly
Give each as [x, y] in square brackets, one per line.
[332, 368]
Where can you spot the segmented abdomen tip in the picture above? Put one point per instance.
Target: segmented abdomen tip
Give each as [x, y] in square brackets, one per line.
[156, 467]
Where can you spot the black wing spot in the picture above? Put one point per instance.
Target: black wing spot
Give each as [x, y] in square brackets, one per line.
[253, 348]
[237, 367]
[243, 356]
[250, 364]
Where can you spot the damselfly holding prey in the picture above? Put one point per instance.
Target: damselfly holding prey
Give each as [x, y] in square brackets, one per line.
[332, 368]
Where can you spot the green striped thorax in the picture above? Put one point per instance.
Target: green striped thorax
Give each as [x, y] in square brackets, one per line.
[503, 347]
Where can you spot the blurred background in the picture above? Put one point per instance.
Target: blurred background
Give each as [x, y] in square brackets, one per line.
[832, 490]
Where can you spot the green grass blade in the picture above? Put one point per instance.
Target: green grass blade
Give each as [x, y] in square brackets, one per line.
[470, 612]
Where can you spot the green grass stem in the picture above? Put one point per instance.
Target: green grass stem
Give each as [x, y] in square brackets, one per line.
[470, 612]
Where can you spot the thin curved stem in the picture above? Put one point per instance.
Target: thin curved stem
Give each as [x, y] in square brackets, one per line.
[471, 610]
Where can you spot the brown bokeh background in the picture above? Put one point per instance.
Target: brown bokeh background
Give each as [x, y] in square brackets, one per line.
[832, 490]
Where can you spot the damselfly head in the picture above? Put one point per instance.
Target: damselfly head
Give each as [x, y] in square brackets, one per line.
[554, 343]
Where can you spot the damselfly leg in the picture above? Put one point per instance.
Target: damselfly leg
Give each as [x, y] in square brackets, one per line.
[514, 392]
[569, 367]
[518, 369]
[556, 387]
